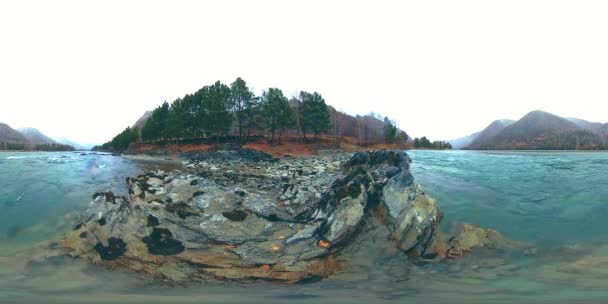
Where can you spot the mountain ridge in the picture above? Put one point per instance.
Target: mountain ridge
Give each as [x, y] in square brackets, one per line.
[29, 139]
[35, 137]
[10, 136]
[540, 130]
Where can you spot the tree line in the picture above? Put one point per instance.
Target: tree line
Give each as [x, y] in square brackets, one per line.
[212, 112]
[425, 143]
[121, 141]
[40, 147]
[219, 110]
[11, 146]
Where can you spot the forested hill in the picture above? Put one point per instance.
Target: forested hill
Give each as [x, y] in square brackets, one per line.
[35, 137]
[218, 112]
[540, 130]
[11, 139]
[28, 139]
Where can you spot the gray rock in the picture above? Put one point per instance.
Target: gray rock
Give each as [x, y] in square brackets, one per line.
[241, 215]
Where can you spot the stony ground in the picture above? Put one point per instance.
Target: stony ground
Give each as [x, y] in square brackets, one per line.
[240, 214]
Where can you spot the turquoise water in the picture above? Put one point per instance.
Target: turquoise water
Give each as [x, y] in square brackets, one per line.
[546, 198]
[558, 202]
[40, 189]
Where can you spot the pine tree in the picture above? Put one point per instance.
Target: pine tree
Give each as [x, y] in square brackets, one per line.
[217, 118]
[242, 101]
[277, 112]
[390, 130]
[314, 116]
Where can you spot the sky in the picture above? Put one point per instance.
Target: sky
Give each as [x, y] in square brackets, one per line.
[85, 70]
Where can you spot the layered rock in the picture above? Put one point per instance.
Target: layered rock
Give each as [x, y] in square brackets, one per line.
[263, 220]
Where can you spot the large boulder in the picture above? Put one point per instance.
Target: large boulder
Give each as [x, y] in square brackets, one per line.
[465, 238]
[258, 220]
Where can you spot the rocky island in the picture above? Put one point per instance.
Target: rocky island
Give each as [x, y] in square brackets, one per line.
[240, 214]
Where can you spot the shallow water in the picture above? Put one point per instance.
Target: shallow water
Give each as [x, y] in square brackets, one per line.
[558, 202]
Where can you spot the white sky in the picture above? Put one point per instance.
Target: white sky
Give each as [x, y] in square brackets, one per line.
[87, 69]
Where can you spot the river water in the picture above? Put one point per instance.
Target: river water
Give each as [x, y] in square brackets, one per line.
[556, 201]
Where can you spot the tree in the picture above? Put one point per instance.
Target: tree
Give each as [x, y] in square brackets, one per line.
[217, 118]
[156, 127]
[277, 112]
[241, 99]
[122, 140]
[175, 120]
[314, 115]
[401, 138]
[390, 131]
[254, 115]
[192, 114]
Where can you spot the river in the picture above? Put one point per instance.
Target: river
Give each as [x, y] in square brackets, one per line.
[556, 201]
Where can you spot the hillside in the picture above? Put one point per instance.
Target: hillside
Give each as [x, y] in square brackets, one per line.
[232, 113]
[35, 137]
[539, 130]
[10, 136]
[604, 130]
[486, 135]
[591, 126]
[76, 145]
[462, 142]
[28, 139]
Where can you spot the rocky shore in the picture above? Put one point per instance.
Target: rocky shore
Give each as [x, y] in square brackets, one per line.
[240, 214]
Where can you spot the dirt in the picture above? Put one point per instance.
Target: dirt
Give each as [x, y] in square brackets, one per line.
[290, 146]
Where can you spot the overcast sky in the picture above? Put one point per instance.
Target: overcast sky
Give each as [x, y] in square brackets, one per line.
[87, 69]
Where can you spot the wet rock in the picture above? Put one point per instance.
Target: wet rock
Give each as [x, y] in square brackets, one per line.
[115, 249]
[182, 209]
[110, 197]
[235, 215]
[152, 221]
[466, 237]
[242, 215]
[161, 242]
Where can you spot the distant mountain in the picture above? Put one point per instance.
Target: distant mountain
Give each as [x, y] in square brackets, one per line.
[35, 137]
[76, 145]
[463, 142]
[489, 132]
[540, 130]
[10, 136]
[591, 126]
[28, 139]
[141, 122]
[604, 130]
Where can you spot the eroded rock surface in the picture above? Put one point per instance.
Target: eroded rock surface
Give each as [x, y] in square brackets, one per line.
[264, 219]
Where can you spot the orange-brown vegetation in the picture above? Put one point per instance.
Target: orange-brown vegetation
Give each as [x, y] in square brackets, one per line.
[290, 146]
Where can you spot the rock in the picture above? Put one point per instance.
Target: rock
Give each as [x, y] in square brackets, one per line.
[242, 215]
[465, 237]
[161, 242]
[115, 249]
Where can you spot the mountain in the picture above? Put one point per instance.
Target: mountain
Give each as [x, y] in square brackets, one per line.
[489, 132]
[463, 142]
[76, 145]
[10, 136]
[35, 137]
[141, 122]
[604, 130]
[591, 126]
[539, 130]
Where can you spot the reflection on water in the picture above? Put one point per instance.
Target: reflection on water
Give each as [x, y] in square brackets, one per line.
[555, 201]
